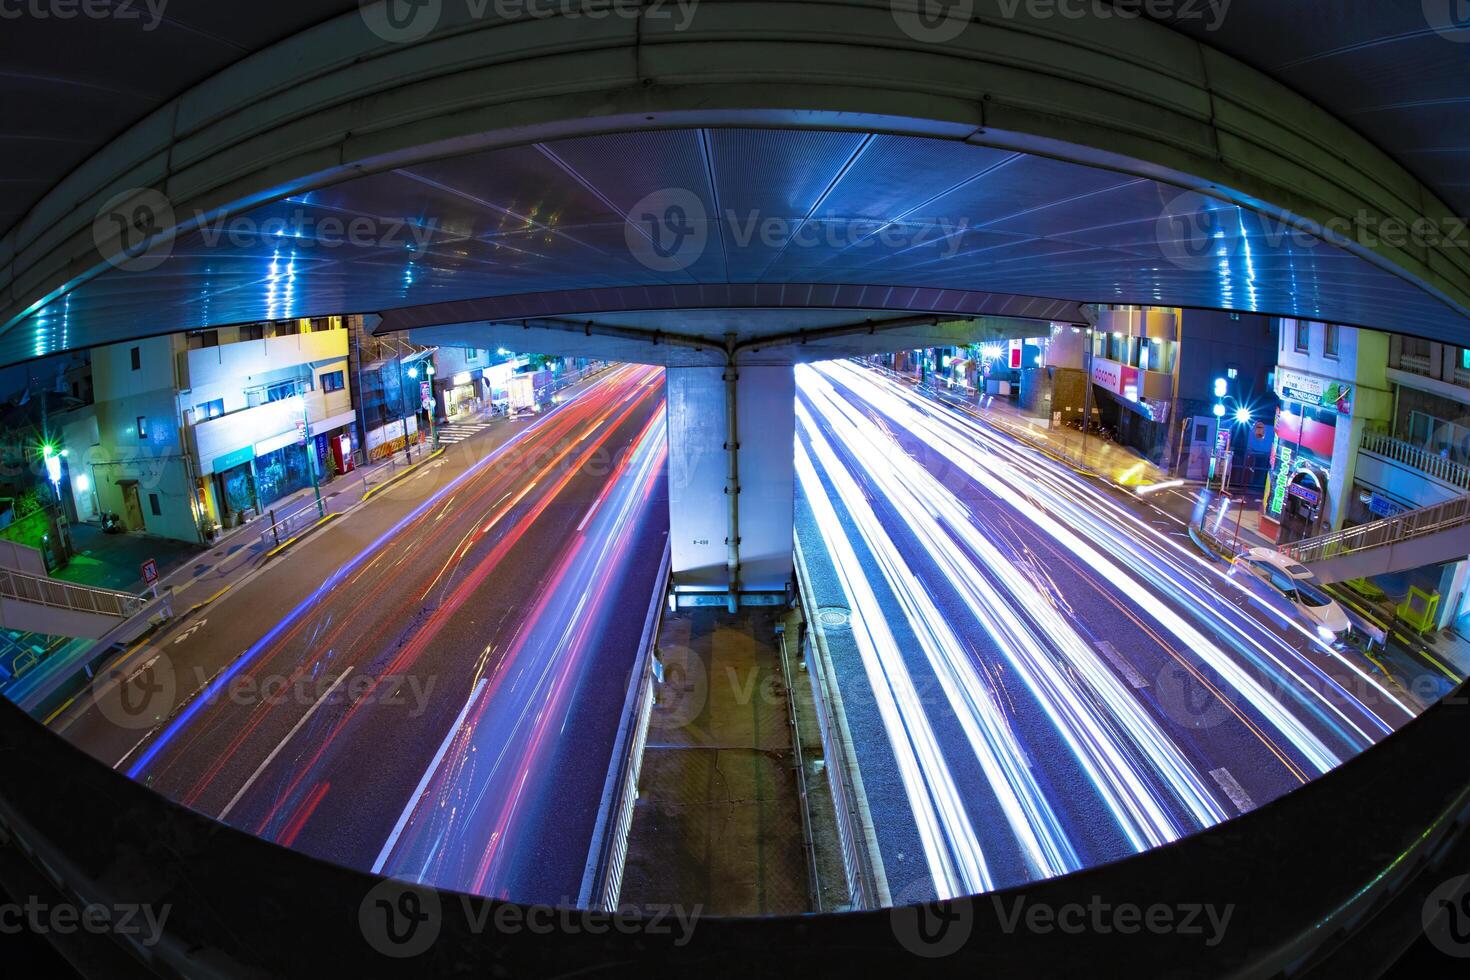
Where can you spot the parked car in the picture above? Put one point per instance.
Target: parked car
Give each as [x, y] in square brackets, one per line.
[1299, 586]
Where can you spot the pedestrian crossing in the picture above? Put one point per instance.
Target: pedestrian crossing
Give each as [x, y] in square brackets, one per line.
[452, 432]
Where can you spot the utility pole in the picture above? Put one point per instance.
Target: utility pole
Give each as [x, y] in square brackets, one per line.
[1086, 397]
[311, 456]
[403, 407]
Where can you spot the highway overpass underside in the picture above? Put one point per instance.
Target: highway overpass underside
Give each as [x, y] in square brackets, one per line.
[731, 411]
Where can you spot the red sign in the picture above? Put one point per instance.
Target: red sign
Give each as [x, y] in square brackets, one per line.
[1115, 377]
[150, 571]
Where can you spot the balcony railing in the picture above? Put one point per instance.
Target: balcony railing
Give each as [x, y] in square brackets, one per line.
[1414, 363]
[43, 591]
[1440, 467]
[1391, 530]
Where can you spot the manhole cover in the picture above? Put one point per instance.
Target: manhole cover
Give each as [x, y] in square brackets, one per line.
[834, 617]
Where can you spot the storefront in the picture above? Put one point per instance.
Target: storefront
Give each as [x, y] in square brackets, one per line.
[1137, 421]
[461, 395]
[1298, 500]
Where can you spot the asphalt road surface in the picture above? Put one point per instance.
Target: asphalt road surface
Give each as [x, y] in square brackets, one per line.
[429, 687]
[1036, 679]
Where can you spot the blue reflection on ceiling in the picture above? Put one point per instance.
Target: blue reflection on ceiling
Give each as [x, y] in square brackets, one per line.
[761, 206]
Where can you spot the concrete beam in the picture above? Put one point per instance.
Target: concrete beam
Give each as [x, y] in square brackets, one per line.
[342, 99]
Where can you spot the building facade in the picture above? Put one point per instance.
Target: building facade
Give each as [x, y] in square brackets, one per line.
[209, 428]
[1332, 385]
[1158, 374]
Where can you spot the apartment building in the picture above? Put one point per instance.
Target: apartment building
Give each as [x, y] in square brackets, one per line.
[211, 427]
[1155, 372]
[1334, 391]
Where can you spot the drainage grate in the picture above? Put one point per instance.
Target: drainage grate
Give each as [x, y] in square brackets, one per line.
[834, 617]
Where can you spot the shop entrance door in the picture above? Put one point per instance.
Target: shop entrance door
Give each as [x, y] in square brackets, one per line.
[134, 509]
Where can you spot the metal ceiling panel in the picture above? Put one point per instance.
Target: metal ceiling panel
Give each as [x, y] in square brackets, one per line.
[568, 217]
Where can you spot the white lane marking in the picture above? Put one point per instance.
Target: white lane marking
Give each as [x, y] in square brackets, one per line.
[1233, 789]
[280, 745]
[1129, 672]
[424, 783]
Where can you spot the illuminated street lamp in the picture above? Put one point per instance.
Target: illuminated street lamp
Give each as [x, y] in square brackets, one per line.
[53, 466]
[1243, 415]
[1219, 410]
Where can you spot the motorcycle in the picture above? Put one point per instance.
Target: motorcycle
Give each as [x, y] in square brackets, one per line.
[112, 524]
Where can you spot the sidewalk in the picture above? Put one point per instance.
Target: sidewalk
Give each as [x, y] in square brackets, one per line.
[115, 561]
[193, 576]
[1121, 464]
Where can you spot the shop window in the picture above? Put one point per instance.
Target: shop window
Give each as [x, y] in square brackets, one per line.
[1303, 336]
[333, 381]
[253, 331]
[137, 355]
[286, 389]
[142, 427]
[1330, 340]
[154, 505]
[199, 339]
[209, 410]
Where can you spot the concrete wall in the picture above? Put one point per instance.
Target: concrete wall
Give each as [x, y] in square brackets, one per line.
[698, 505]
[156, 460]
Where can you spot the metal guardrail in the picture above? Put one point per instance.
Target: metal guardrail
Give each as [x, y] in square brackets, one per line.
[604, 881]
[1391, 530]
[43, 591]
[1435, 465]
[814, 875]
[863, 889]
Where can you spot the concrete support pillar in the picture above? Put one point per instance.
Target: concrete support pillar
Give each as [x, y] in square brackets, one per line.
[730, 488]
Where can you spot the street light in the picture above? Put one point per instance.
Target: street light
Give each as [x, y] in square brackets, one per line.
[1243, 415]
[1219, 410]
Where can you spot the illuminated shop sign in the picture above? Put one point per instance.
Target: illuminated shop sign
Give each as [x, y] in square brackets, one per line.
[1309, 389]
[1115, 377]
[1280, 478]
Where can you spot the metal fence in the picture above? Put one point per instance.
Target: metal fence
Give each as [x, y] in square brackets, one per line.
[1391, 530]
[852, 828]
[44, 591]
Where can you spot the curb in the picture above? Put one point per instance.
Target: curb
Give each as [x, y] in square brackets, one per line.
[398, 476]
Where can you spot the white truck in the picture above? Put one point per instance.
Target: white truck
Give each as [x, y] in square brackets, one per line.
[522, 395]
